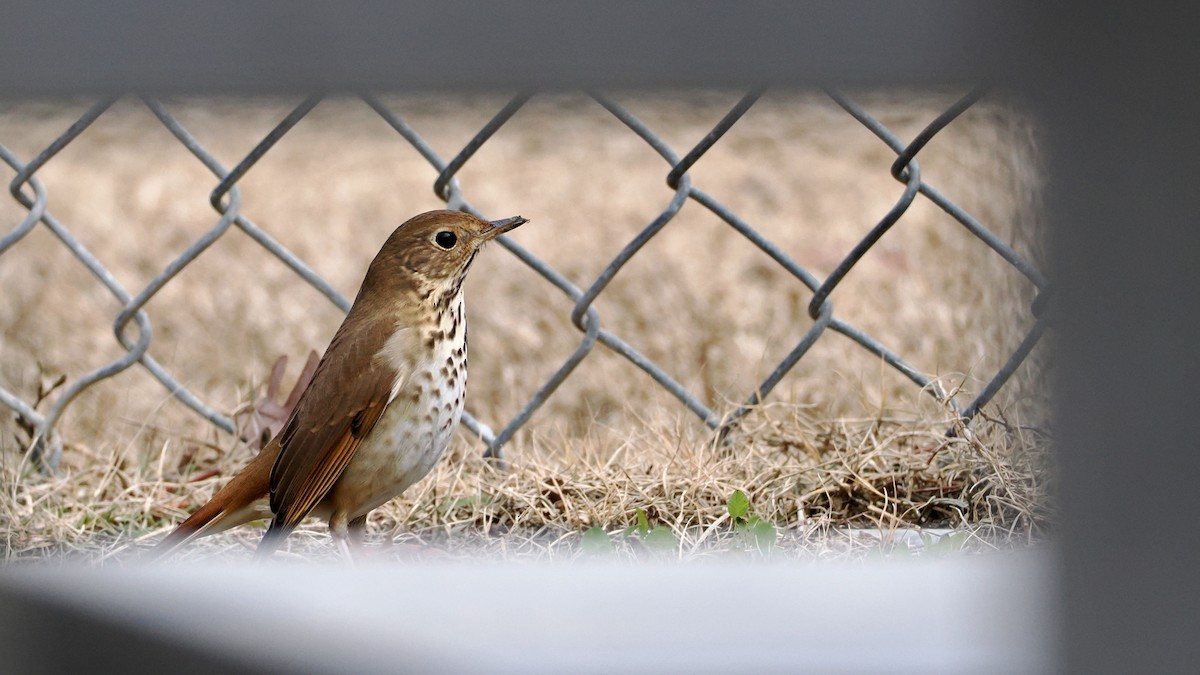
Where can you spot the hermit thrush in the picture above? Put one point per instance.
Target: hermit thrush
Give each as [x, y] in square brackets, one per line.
[383, 402]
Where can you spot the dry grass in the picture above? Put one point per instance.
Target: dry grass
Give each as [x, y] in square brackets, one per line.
[843, 442]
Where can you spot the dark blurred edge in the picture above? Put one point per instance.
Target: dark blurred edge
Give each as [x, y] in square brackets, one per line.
[42, 634]
[302, 46]
[1119, 90]
[1115, 84]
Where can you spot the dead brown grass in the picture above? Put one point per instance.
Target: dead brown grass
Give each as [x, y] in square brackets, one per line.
[843, 442]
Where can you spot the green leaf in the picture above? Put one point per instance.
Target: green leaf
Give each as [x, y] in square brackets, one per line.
[661, 539]
[595, 541]
[643, 523]
[738, 505]
[764, 535]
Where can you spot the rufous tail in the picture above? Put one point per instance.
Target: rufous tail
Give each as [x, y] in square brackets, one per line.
[240, 501]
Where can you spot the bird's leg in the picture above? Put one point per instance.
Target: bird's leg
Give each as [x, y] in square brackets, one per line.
[356, 529]
[347, 535]
[344, 547]
[354, 536]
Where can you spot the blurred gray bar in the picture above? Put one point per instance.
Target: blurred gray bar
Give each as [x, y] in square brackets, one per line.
[302, 47]
[951, 614]
[1120, 94]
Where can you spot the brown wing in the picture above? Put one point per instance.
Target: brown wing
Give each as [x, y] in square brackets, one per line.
[340, 407]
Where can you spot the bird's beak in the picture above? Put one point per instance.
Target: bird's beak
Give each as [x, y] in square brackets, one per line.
[499, 227]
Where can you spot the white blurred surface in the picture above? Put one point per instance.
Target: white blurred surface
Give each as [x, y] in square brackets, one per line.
[962, 614]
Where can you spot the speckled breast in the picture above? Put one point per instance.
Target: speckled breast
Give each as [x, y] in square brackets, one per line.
[415, 429]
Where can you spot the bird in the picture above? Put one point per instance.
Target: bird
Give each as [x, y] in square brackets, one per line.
[383, 402]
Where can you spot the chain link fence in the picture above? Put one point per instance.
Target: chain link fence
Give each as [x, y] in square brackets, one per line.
[133, 327]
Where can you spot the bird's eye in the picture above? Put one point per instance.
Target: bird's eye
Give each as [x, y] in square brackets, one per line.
[446, 239]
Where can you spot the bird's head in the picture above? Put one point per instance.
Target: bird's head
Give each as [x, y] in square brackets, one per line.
[431, 252]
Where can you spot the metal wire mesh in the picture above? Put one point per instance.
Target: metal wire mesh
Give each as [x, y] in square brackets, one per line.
[132, 326]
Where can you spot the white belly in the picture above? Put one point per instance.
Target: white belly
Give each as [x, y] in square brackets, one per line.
[406, 442]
